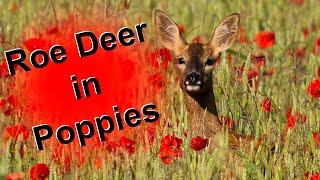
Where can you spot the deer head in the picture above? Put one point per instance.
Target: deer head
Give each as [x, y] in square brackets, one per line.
[195, 61]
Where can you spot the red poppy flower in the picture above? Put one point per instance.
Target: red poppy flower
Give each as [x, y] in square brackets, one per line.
[316, 46]
[314, 88]
[62, 157]
[170, 149]
[265, 39]
[198, 143]
[266, 105]
[305, 33]
[302, 118]
[268, 72]
[181, 28]
[57, 154]
[297, 115]
[315, 176]
[156, 80]
[67, 163]
[111, 146]
[252, 77]
[252, 74]
[258, 60]
[98, 163]
[293, 118]
[14, 7]
[151, 132]
[316, 138]
[170, 141]
[128, 144]
[297, 2]
[35, 43]
[160, 58]
[39, 172]
[12, 100]
[300, 53]
[81, 158]
[4, 69]
[8, 112]
[3, 103]
[15, 176]
[226, 120]
[16, 130]
[52, 30]
[291, 122]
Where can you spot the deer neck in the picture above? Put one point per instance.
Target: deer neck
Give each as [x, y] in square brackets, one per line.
[202, 113]
[204, 101]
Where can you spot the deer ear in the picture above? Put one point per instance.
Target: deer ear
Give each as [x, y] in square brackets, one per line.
[168, 32]
[226, 33]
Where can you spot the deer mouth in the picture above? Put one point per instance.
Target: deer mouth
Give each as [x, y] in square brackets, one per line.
[193, 87]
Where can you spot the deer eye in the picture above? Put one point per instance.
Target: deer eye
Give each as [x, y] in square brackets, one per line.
[210, 61]
[181, 61]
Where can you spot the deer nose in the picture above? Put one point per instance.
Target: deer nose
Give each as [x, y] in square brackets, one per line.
[193, 78]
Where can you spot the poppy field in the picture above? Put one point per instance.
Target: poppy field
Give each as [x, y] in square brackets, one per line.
[266, 85]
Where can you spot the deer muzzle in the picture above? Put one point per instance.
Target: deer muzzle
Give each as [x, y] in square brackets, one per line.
[193, 81]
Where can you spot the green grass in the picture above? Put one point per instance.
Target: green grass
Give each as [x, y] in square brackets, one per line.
[286, 88]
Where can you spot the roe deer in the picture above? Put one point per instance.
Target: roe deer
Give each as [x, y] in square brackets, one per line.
[194, 63]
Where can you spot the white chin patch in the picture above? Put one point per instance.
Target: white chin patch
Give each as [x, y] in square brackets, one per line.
[193, 88]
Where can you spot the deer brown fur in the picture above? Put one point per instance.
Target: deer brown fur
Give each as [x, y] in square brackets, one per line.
[195, 63]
